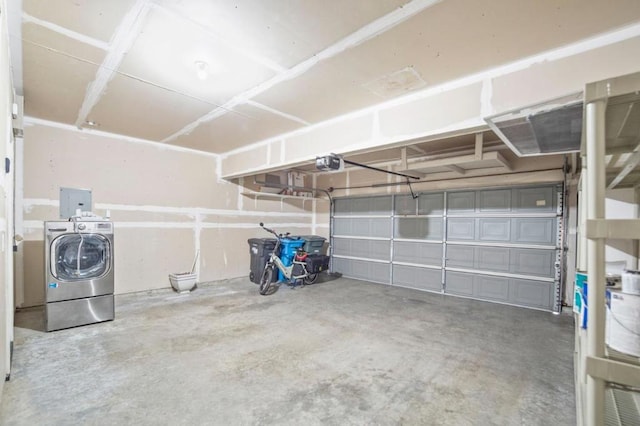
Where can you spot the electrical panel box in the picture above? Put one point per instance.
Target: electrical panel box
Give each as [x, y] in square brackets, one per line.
[72, 199]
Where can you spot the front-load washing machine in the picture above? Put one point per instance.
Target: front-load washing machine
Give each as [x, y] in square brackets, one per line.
[79, 273]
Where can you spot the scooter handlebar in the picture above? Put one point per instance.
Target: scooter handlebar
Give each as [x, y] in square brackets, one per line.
[267, 229]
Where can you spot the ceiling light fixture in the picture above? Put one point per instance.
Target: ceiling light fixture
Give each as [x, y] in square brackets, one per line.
[91, 123]
[201, 68]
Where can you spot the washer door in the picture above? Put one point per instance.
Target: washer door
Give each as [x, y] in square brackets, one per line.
[76, 257]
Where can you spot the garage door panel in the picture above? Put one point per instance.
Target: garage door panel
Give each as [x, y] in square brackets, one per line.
[494, 229]
[533, 262]
[534, 230]
[363, 270]
[380, 205]
[499, 244]
[416, 277]
[363, 206]
[416, 252]
[461, 229]
[362, 227]
[431, 204]
[371, 206]
[341, 265]
[491, 288]
[405, 205]
[492, 259]
[460, 256]
[370, 249]
[494, 200]
[459, 283]
[539, 200]
[341, 247]
[342, 206]
[461, 202]
[341, 226]
[537, 294]
[419, 228]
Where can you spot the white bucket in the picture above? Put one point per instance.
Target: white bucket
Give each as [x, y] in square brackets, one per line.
[631, 282]
[623, 322]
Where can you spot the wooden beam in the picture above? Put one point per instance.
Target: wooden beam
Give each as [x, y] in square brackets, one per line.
[417, 149]
[504, 161]
[456, 169]
[403, 158]
[479, 143]
[442, 162]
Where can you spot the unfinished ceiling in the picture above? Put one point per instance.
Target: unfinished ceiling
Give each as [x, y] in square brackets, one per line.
[270, 67]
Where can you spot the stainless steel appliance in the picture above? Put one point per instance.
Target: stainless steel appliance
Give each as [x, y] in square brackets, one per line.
[79, 273]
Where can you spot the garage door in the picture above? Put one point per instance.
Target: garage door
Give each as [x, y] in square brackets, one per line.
[497, 245]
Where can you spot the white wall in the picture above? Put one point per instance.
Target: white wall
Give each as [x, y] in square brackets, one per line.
[167, 204]
[6, 201]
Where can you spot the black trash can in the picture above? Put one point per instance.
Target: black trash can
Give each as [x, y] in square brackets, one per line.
[314, 244]
[260, 249]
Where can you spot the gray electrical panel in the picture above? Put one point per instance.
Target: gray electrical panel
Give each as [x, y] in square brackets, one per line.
[72, 199]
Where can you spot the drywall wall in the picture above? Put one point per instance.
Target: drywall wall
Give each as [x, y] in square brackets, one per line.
[166, 203]
[6, 202]
[453, 107]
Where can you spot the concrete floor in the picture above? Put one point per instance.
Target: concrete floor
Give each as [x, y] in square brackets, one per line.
[338, 352]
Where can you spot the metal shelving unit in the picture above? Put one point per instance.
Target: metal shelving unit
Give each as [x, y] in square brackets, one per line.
[607, 383]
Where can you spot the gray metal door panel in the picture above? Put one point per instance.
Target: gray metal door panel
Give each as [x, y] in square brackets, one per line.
[481, 221]
[362, 227]
[363, 270]
[342, 207]
[341, 265]
[419, 278]
[537, 294]
[380, 205]
[534, 230]
[461, 228]
[492, 288]
[431, 204]
[341, 226]
[492, 259]
[539, 200]
[341, 247]
[360, 206]
[460, 256]
[405, 205]
[415, 252]
[380, 228]
[494, 200]
[536, 262]
[419, 228]
[363, 206]
[493, 229]
[459, 283]
[461, 202]
[370, 249]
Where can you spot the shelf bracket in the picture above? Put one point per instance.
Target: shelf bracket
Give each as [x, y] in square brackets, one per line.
[599, 229]
[629, 165]
[621, 373]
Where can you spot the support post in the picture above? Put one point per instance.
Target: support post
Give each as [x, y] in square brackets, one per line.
[595, 141]
[479, 146]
